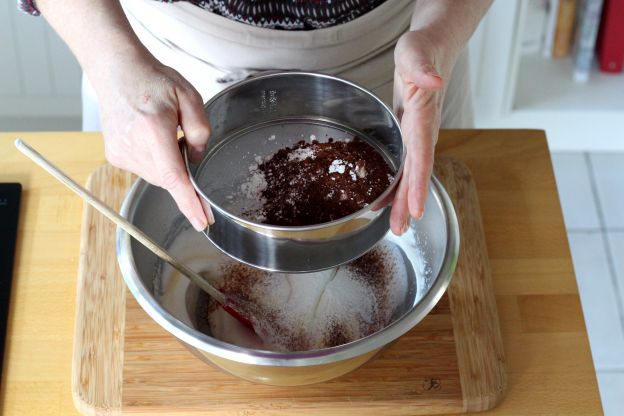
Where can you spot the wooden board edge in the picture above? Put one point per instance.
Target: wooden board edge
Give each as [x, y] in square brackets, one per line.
[474, 399]
[480, 352]
[86, 378]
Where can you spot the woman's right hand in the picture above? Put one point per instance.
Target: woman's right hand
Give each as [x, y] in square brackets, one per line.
[142, 103]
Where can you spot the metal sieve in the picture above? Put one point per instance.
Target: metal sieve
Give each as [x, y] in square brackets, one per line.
[255, 118]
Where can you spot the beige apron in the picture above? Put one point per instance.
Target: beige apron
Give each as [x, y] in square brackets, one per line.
[212, 52]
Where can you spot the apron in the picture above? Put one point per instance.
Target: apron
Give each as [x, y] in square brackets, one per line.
[212, 51]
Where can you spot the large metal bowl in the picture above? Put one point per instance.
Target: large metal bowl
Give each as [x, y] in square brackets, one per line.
[429, 249]
[263, 114]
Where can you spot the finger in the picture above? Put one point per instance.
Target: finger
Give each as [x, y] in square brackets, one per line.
[193, 121]
[419, 185]
[144, 167]
[415, 69]
[420, 146]
[397, 95]
[129, 160]
[173, 177]
[428, 81]
[399, 215]
[385, 201]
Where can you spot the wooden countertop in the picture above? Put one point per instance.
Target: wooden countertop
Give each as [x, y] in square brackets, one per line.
[549, 364]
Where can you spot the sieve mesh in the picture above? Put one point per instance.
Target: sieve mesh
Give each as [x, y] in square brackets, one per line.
[228, 166]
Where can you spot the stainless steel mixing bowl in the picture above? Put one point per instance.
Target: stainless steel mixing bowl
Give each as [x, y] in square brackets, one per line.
[429, 249]
[257, 117]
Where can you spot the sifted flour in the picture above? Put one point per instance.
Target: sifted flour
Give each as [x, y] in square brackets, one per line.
[304, 311]
[316, 310]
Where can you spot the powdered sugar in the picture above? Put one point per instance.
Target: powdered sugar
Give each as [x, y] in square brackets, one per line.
[340, 166]
[253, 186]
[301, 154]
[360, 171]
[337, 166]
[248, 197]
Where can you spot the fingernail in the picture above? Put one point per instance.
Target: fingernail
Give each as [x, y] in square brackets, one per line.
[197, 154]
[406, 225]
[207, 211]
[420, 215]
[210, 215]
[434, 74]
[198, 224]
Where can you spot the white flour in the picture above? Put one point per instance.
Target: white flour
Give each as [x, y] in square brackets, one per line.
[321, 309]
[309, 307]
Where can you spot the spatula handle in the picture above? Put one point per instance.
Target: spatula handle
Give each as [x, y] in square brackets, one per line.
[112, 215]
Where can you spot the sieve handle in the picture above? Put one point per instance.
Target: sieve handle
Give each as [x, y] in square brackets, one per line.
[123, 223]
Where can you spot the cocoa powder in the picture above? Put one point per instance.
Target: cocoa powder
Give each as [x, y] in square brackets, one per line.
[313, 183]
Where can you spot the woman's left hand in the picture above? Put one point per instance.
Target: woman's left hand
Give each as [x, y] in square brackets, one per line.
[418, 92]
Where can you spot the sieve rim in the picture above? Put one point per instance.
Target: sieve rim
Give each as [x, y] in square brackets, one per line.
[373, 206]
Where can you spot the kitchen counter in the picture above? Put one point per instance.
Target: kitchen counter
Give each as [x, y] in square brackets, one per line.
[548, 361]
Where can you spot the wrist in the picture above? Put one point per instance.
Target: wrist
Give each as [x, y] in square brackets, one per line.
[113, 66]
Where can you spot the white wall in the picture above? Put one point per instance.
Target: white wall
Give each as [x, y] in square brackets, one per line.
[39, 77]
[40, 83]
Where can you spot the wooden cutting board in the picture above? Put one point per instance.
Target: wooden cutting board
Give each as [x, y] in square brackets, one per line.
[124, 363]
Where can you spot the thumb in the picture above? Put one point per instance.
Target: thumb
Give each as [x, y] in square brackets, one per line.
[193, 122]
[415, 64]
[421, 74]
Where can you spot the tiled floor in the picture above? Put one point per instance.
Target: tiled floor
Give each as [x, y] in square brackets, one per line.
[591, 189]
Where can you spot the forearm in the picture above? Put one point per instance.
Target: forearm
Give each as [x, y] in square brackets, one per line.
[97, 32]
[448, 23]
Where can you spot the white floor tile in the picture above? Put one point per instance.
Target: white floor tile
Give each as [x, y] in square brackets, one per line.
[616, 243]
[611, 385]
[609, 173]
[598, 299]
[575, 193]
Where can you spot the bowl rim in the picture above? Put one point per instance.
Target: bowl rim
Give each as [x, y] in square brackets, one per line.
[210, 345]
[373, 206]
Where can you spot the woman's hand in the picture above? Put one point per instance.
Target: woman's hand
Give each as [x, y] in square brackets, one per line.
[418, 92]
[142, 103]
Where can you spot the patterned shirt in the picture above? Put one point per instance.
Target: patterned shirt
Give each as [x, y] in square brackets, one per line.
[274, 14]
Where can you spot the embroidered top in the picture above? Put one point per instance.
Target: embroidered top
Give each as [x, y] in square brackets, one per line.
[274, 14]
